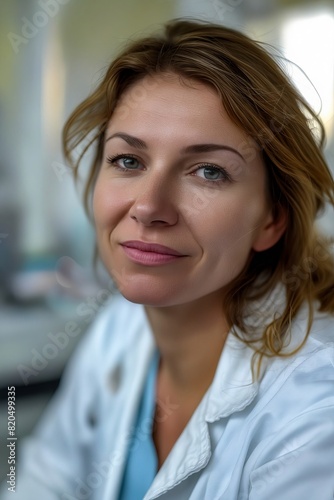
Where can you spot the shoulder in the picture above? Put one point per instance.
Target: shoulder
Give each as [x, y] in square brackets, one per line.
[322, 330]
[320, 340]
[118, 319]
[119, 329]
[305, 378]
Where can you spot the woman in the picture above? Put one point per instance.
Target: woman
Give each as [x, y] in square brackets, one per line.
[211, 374]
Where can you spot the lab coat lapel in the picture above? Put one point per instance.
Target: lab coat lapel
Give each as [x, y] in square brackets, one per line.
[190, 454]
[134, 364]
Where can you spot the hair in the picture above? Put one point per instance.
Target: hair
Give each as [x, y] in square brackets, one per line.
[258, 97]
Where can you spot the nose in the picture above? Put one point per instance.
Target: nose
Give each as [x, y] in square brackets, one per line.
[155, 201]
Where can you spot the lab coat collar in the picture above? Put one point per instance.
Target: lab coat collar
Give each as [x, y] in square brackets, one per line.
[234, 386]
[232, 390]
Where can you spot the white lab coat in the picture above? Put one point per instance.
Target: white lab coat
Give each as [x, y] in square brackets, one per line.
[272, 439]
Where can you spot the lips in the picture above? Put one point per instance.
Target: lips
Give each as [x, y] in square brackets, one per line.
[150, 254]
[151, 247]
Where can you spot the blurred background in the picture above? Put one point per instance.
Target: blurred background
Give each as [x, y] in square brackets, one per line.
[53, 53]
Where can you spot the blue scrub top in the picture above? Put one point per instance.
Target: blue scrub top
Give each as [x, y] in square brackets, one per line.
[142, 461]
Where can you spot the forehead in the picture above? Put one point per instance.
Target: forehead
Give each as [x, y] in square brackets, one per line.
[167, 102]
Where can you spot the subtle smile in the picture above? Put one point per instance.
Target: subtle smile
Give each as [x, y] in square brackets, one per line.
[150, 253]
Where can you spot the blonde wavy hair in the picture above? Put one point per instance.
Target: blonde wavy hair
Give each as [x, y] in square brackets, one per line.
[259, 98]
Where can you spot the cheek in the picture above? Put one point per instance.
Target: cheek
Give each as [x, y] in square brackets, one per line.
[106, 203]
[230, 227]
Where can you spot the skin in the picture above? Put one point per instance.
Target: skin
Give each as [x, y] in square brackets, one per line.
[167, 197]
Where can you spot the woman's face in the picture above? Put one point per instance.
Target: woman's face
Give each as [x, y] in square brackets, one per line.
[174, 174]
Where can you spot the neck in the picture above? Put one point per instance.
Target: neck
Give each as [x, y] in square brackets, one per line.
[190, 338]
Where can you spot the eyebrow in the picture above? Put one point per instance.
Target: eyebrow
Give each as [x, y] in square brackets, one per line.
[195, 148]
[130, 139]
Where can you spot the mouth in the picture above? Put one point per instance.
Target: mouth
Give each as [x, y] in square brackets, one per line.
[150, 253]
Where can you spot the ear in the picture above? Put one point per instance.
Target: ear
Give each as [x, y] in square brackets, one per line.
[271, 231]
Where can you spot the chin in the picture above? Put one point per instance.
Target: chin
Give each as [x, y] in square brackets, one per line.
[146, 298]
[148, 294]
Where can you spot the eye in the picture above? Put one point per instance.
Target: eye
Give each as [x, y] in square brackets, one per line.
[212, 173]
[124, 162]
